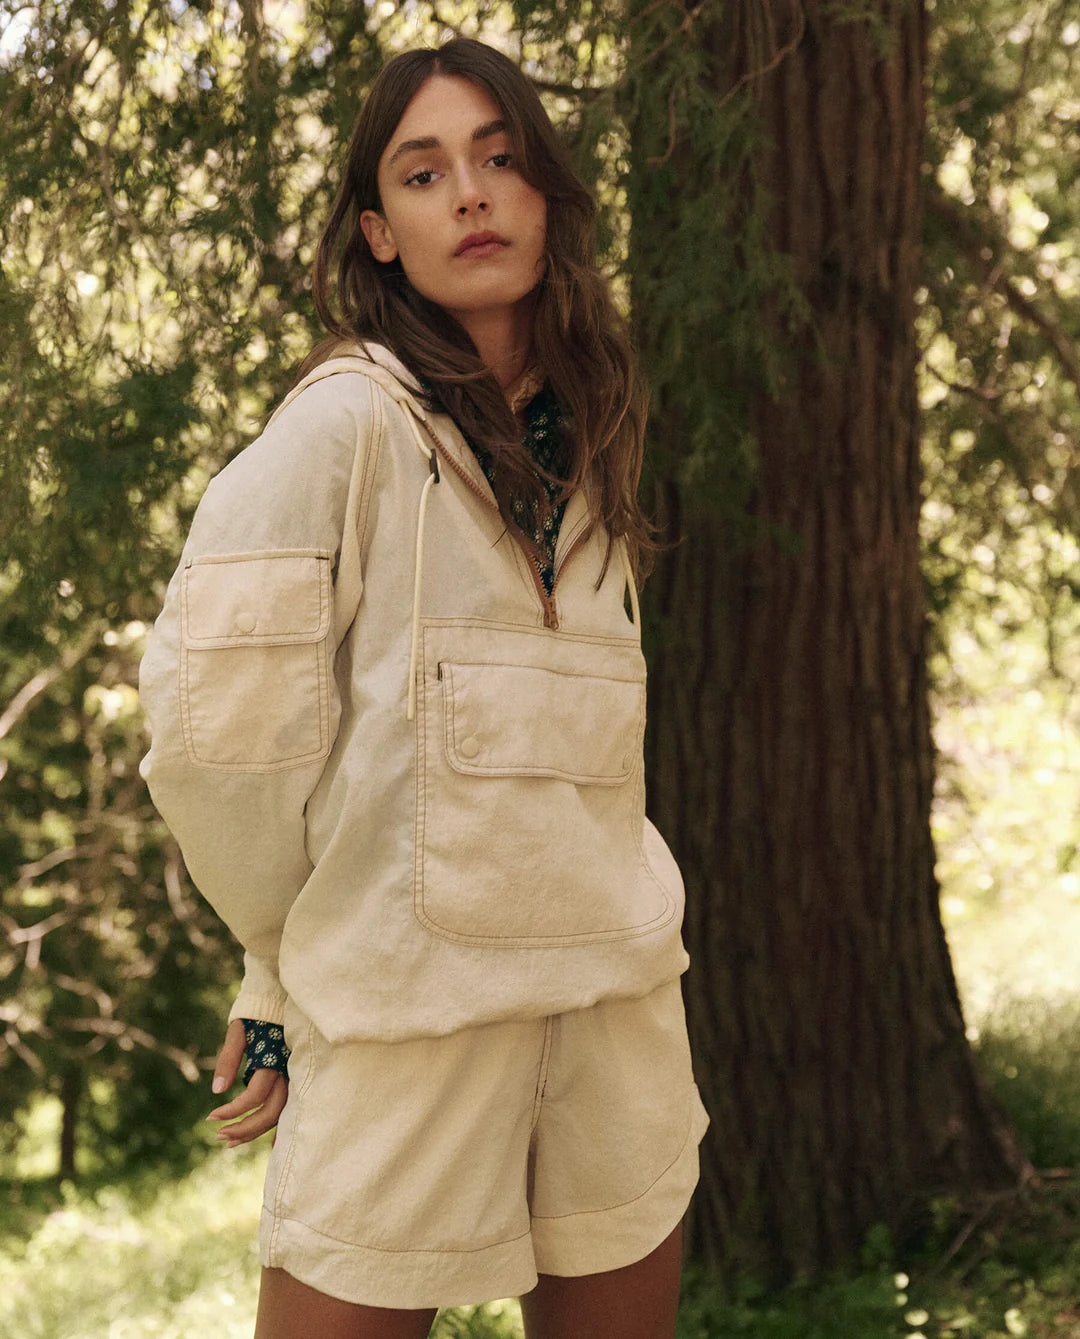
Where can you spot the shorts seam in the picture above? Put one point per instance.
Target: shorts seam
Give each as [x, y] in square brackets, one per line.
[610, 1208]
[286, 1167]
[400, 1250]
[542, 1075]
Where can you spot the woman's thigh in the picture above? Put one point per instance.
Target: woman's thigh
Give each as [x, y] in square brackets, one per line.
[289, 1309]
[638, 1301]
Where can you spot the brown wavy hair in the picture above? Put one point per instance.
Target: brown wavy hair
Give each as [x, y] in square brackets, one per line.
[580, 343]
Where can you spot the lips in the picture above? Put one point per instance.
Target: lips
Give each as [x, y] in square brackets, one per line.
[489, 242]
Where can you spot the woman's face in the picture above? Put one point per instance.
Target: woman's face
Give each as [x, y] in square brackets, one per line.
[468, 229]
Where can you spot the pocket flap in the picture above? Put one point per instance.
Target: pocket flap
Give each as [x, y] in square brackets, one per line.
[274, 597]
[521, 720]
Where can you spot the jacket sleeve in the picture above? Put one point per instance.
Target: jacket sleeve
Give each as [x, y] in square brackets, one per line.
[237, 680]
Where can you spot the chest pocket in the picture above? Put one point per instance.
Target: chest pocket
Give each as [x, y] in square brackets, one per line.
[518, 720]
[530, 808]
[254, 667]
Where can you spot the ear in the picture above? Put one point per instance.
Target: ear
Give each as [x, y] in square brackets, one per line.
[378, 234]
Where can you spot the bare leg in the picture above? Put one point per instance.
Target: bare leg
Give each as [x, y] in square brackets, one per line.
[639, 1301]
[289, 1309]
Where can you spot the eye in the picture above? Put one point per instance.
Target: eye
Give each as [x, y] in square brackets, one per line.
[421, 177]
[503, 159]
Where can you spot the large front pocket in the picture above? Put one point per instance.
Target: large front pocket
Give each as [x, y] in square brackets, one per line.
[254, 669]
[530, 805]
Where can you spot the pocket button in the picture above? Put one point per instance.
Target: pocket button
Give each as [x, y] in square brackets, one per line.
[245, 622]
[469, 747]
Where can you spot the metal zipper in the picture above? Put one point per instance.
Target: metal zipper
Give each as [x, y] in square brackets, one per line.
[547, 602]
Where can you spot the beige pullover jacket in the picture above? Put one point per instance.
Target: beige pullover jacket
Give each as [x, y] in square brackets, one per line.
[409, 781]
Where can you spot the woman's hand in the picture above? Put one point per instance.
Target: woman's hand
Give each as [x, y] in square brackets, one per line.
[261, 1102]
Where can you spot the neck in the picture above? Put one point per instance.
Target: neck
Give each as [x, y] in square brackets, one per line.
[503, 338]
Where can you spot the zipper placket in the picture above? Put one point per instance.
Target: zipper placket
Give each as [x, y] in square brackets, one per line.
[547, 602]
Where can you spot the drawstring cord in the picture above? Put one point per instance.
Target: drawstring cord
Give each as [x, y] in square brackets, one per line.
[431, 455]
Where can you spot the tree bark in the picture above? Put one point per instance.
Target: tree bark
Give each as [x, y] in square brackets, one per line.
[71, 1087]
[790, 754]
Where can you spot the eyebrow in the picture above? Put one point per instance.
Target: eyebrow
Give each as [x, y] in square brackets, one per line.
[485, 131]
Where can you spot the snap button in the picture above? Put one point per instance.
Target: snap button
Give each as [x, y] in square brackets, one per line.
[245, 622]
[469, 747]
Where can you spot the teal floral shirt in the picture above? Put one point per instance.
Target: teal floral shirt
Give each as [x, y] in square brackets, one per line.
[543, 439]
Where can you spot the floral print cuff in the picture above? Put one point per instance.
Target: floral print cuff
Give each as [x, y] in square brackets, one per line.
[266, 1048]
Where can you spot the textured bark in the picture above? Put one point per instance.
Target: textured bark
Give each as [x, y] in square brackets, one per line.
[789, 741]
[71, 1087]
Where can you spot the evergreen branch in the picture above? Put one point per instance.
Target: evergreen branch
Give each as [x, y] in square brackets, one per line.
[780, 54]
[123, 1032]
[665, 157]
[34, 687]
[26, 934]
[33, 935]
[28, 873]
[88, 990]
[991, 270]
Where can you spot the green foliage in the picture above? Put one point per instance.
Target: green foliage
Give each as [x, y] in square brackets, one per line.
[497, 1320]
[700, 263]
[113, 974]
[1000, 310]
[1030, 1050]
[179, 1257]
[863, 1305]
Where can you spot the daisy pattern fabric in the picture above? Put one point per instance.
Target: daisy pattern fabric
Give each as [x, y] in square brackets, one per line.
[266, 1048]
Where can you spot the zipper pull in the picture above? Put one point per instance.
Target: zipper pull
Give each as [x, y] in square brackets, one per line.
[433, 463]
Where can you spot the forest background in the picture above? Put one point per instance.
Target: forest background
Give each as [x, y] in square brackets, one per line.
[846, 234]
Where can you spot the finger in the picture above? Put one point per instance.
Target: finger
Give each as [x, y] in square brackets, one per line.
[265, 1118]
[253, 1096]
[228, 1058]
[253, 1126]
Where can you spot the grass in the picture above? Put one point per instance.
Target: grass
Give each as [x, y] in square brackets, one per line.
[174, 1261]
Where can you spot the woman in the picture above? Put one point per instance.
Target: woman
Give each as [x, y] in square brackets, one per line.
[397, 699]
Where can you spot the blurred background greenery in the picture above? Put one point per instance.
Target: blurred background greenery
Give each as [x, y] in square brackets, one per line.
[163, 177]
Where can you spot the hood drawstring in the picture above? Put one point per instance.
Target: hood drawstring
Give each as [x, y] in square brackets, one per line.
[431, 455]
[628, 568]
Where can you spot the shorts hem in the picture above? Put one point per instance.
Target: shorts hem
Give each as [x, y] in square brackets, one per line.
[404, 1280]
[594, 1241]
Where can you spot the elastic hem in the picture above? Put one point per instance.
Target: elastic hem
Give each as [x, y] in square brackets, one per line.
[406, 1280]
[594, 1241]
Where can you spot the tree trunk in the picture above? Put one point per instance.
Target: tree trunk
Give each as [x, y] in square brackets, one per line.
[790, 754]
[71, 1086]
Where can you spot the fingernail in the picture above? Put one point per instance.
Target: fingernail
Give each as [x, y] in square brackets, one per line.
[219, 1085]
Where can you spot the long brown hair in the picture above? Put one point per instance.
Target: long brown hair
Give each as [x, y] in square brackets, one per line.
[580, 343]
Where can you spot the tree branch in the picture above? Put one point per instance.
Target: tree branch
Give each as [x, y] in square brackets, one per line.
[33, 688]
[973, 243]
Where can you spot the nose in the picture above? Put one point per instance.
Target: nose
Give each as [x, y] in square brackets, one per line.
[471, 199]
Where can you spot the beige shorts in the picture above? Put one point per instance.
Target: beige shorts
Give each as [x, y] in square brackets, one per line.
[447, 1171]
